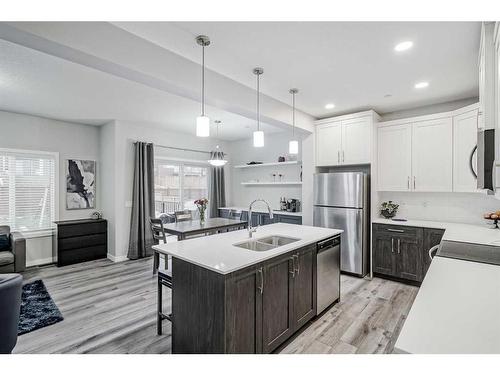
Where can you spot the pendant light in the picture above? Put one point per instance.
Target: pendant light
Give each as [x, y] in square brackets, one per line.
[258, 135]
[217, 156]
[293, 145]
[203, 122]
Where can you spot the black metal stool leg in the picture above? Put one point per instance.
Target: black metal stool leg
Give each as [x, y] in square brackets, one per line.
[159, 308]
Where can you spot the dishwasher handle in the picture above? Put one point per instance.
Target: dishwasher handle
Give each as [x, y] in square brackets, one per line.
[328, 243]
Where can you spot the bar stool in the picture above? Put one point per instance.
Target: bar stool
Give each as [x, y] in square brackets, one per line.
[164, 279]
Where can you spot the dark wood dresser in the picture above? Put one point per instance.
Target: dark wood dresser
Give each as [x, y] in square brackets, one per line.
[81, 240]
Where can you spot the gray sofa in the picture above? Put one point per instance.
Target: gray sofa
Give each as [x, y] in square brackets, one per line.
[13, 259]
[10, 305]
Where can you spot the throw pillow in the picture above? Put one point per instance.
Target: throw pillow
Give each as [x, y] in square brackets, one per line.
[4, 242]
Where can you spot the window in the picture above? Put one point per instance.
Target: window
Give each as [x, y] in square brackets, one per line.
[178, 185]
[27, 189]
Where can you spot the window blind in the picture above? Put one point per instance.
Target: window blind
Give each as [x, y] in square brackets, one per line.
[27, 190]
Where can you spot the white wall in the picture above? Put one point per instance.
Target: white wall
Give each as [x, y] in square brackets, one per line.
[242, 152]
[452, 207]
[71, 141]
[124, 134]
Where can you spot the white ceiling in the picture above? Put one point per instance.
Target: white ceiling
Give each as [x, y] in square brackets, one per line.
[351, 64]
[36, 83]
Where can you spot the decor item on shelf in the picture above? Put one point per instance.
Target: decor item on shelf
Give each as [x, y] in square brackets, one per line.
[80, 184]
[258, 135]
[274, 177]
[389, 209]
[281, 159]
[293, 145]
[495, 216]
[255, 162]
[281, 176]
[202, 121]
[96, 215]
[217, 156]
[202, 206]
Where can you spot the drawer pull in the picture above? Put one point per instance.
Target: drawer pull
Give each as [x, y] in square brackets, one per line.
[395, 230]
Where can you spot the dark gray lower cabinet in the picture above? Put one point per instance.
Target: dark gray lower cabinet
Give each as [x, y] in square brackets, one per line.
[259, 218]
[253, 310]
[432, 237]
[402, 252]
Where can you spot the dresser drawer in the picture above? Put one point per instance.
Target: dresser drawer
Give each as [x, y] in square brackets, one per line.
[83, 254]
[75, 230]
[65, 244]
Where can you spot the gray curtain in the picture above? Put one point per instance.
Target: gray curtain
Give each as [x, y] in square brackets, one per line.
[141, 238]
[217, 191]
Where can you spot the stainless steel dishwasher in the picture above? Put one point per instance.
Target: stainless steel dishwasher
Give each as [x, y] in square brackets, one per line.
[328, 272]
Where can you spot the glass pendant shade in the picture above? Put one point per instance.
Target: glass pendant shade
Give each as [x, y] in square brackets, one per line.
[293, 147]
[202, 126]
[217, 158]
[258, 138]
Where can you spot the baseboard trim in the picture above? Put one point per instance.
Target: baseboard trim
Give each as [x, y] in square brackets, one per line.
[40, 262]
[113, 258]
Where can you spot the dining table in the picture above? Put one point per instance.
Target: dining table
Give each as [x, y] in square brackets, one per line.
[213, 225]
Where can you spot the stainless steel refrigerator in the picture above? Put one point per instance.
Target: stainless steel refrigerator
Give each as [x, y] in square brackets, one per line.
[341, 201]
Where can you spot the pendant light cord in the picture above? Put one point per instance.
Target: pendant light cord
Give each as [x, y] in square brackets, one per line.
[203, 80]
[293, 114]
[258, 102]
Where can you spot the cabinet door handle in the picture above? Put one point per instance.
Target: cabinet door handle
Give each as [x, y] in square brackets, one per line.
[338, 157]
[408, 183]
[292, 271]
[392, 245]
[395, 230]
[261, 277]
[414, 182]
[399, 245]
[297, 264]
[343, 156]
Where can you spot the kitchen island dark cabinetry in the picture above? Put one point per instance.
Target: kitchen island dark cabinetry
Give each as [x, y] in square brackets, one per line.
[252, 310]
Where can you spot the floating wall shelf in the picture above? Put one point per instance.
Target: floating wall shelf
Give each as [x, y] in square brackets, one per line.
[295, 162]
[273, 183]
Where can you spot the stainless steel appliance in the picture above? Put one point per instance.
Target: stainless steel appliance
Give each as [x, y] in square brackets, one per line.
[328, 273]
[485, 148]
[341, 201]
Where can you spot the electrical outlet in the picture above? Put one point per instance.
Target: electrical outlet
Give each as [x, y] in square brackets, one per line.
[128, 204]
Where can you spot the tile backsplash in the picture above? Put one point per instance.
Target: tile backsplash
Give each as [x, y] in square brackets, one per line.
[451, 207]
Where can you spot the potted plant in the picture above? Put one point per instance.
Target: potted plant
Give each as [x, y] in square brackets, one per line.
[389, 209]
[202, 207]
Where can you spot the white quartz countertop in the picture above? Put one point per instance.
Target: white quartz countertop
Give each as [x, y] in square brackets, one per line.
[456, 310]
[262, 211]
[480, 234]
[218, 253]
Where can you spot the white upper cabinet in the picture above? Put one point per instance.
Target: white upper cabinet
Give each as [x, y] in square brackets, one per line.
[432, 155]
[329, 143]
[464, 142]
[394, 157]
[486, 68]
[356, 141]
[345, 139]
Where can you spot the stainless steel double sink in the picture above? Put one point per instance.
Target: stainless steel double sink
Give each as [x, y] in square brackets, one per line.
[266, 243]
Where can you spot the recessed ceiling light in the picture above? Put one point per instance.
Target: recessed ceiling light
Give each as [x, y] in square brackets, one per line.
[330, 106]
[403, 46]
[421, 85]
[387, 95]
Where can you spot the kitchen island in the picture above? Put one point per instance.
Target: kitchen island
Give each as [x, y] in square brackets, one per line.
[232, 295]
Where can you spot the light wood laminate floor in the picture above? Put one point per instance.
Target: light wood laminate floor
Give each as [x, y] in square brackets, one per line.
[110, 308]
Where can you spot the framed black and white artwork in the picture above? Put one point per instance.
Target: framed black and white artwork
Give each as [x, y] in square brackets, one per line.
[80, 184]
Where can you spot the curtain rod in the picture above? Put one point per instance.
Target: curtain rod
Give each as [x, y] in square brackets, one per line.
[178, 148]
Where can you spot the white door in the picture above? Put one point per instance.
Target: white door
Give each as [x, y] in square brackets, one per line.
[464, 141]
[432, 155]
[356, 141]
[328, 144]
[394, 157]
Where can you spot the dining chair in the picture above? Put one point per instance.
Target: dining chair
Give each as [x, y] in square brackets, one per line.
[184, 215]
[159, 236]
